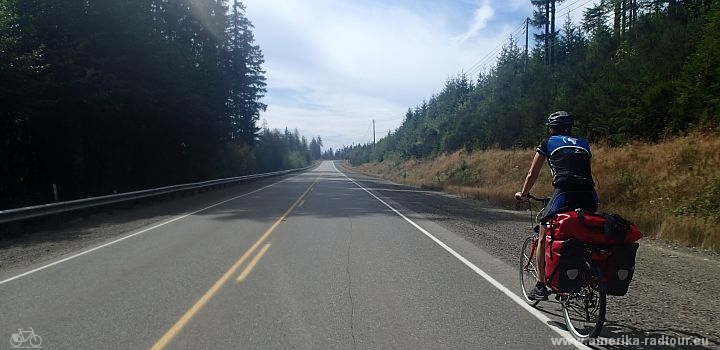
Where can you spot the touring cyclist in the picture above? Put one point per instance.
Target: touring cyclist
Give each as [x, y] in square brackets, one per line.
[569, 161]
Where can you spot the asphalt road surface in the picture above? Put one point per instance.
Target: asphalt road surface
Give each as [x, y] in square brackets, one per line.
[312, 261]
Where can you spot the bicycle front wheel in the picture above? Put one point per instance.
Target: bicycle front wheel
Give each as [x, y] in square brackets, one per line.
[528, 272]
[35, 341]
[584, 313]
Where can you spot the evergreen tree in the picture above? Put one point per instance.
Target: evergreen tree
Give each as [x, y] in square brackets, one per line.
[634, 69]
[105, 96]
[247, 84]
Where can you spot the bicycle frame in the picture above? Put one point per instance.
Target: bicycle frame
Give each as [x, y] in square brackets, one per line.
[533, 246]
[22, 334]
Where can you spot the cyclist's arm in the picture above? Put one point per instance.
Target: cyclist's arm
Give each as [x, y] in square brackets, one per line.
[533, 173]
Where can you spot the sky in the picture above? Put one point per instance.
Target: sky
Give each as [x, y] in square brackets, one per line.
[334, 66]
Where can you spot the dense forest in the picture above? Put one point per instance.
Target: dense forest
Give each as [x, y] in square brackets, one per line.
[631, 70]
[99, 97]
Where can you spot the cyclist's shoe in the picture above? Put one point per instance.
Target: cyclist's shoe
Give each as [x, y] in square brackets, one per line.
[539, 293]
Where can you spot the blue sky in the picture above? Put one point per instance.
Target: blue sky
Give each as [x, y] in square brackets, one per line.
[335, 65]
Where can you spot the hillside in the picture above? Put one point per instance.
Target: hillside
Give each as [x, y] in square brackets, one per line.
[670, 189]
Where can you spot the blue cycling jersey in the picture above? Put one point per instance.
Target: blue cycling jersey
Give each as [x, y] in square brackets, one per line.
[569, 161]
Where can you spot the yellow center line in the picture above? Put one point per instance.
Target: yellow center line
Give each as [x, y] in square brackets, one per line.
[178, 326]
[252, 263]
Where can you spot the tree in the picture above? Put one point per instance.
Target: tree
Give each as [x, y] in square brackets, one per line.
[544, 18]
[654, 75]
[104, 96]
[247, 80]
[316, 148]
[699, 83]
[541, 20]
[594, 18]
[21, 69]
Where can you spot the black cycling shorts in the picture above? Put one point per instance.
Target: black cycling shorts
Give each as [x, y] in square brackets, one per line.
[562, 201]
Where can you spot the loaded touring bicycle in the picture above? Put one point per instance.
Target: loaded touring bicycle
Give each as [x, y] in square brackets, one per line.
[588, 256]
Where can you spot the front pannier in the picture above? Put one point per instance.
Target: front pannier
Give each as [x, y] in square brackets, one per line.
[564, 262]
[616, 267]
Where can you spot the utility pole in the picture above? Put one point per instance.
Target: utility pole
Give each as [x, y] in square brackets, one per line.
[547, 32]
[373, 131]
[527, 25]
[552, 32]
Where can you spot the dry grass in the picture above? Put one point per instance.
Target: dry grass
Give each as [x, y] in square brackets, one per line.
[658, 186]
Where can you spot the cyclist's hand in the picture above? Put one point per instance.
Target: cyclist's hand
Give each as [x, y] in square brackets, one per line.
[521, 196]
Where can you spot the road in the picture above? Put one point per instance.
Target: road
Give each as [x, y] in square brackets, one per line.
[313, 261]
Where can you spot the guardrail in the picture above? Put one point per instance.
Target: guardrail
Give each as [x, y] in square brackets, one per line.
[18, 214]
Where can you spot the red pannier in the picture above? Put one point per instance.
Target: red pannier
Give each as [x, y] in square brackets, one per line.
[593, 228]
[616, 266]
[564, 262]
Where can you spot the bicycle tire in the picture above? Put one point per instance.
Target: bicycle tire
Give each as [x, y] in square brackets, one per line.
[529, 275]
[15, 344]
[578, 309]
[35, 341]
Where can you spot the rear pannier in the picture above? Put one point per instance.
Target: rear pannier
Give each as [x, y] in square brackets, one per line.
[616, 266]
[564, 260]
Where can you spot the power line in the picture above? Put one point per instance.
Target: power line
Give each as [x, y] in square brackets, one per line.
[577, 7]
[365, 133]
[571, 10]
[567, 5]
[491, 55]
[389, 119]
[489, 58]
[482, 64]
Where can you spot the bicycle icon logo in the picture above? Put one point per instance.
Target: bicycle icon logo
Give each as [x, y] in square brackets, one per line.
[22, 338]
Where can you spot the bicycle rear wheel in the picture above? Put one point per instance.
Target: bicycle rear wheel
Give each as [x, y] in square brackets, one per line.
[584, 313]
[528, 272]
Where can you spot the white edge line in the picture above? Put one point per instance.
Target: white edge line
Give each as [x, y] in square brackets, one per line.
[132, 235]
[514, 297]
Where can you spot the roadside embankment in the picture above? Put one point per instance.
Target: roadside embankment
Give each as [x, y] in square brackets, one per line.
[671, 190]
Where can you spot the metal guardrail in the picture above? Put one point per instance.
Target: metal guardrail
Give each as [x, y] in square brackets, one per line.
[18, 214]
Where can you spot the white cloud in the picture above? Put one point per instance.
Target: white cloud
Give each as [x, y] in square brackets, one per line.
[482, 15]
[351, 125]
[334, 66]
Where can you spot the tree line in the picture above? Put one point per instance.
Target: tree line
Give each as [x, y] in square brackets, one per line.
[631, 70]
[99, 97]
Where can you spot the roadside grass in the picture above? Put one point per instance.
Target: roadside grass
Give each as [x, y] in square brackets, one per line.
[671, 190]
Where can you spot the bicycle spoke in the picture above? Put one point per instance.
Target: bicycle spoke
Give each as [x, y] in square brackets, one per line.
[584, 313]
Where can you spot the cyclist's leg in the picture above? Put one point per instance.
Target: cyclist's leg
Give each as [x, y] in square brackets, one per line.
[540, 255]
[557, 203]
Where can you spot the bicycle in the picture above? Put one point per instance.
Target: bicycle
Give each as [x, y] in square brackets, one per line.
[21, 337]
[584, 311]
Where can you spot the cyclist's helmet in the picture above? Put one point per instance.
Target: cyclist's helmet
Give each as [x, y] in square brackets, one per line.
[560, 120]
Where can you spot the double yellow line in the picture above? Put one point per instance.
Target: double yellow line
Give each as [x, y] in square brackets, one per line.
[178, 326]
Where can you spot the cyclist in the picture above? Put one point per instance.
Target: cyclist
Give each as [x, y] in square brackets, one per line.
[569, 161]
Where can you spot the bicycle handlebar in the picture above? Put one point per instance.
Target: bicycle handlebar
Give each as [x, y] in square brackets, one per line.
[543, 200]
